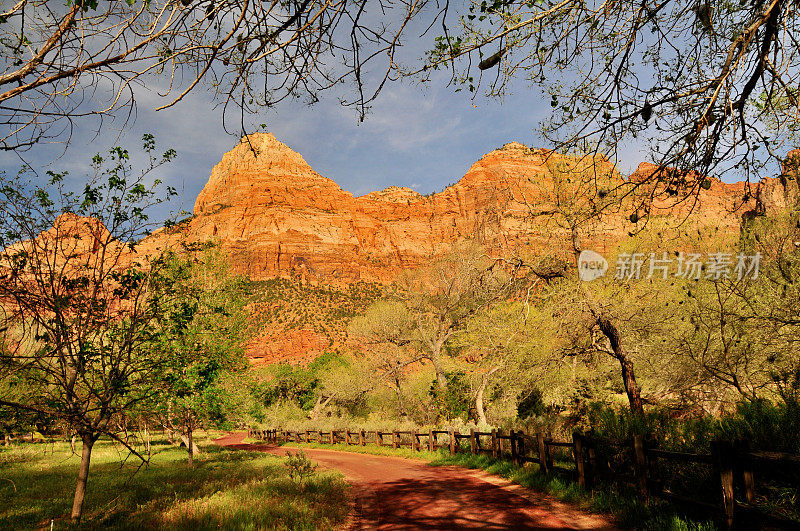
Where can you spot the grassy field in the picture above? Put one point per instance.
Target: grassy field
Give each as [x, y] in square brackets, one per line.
[404, 452]
[225, 489]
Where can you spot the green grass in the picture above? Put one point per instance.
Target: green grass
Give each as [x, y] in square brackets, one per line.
[225, 489]
[404, 452]
[626, 509]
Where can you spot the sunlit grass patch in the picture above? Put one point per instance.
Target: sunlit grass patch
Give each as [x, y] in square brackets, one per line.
[371, 449]
[225, 489]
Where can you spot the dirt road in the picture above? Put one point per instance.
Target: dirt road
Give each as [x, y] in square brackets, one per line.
[397, 493]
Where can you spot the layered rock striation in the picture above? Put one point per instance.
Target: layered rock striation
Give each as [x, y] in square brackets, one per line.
[276, 216]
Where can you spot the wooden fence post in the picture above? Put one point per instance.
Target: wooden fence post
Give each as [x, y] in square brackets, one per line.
[521, 447]
[654, 484]
[542, 453]
[577, 452]
[379, 437]
[724, 458]
[514, 456]
[472, 447]
[414, 441]
[745, 464]
[452, 442]
[361, 438]
[591, 454]
[347, 437]
[431, 441]
[640, 466]
[494, 443]
[333, 436]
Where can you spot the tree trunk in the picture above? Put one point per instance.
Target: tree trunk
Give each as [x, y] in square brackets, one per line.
[146, 439]
[399, 391]
[479, 395]
[628, 377]
[436, 359]
[190, 446]
[83, 476]
[320, 406]
[72, 443]
[188, 441]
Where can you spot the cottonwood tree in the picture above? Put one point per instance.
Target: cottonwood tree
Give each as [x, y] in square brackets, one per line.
[510, 345]
[443, 296]
[577, 194]
[386, 331]
[75, 312]
[705, 86]
[744, 331]
[66, 61]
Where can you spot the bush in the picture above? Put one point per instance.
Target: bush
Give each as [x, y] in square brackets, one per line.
[300, 466]
[530, 404]
[454, 401]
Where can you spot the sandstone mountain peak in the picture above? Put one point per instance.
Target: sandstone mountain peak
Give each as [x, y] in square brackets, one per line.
[276, 216]
[395, 194]
[515, 146]
[259, 167]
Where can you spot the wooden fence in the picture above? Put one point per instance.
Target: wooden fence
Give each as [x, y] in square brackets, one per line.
[733, 465]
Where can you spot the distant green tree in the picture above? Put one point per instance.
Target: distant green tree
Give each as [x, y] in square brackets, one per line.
[454, 400]
[201, 336]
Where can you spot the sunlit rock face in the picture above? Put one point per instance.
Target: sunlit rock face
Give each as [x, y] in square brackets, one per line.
[276, 216]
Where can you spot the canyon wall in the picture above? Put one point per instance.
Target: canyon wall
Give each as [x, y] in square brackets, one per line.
[276, 216]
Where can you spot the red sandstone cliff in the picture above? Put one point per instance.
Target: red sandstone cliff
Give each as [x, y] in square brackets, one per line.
[276, 216]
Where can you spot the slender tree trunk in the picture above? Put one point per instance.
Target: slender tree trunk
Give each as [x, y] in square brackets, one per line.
[628, 377]
[190, 445]
[436, 359]
[83, 476]
[146, 439]
[399, 391]
[320, 405]
[479, 396]
[72, 443]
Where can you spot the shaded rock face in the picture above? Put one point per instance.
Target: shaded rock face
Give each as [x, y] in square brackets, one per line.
[289, 346]
[276, 216]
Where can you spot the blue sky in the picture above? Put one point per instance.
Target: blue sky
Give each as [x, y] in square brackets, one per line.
[423, 137]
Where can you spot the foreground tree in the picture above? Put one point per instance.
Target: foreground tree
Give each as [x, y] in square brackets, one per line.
[708, 87]
[75, 313]
[57, 58]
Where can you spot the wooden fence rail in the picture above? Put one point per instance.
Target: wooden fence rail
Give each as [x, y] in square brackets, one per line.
[733, 464]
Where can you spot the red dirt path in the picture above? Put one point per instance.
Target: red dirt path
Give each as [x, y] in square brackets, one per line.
[397, 493]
